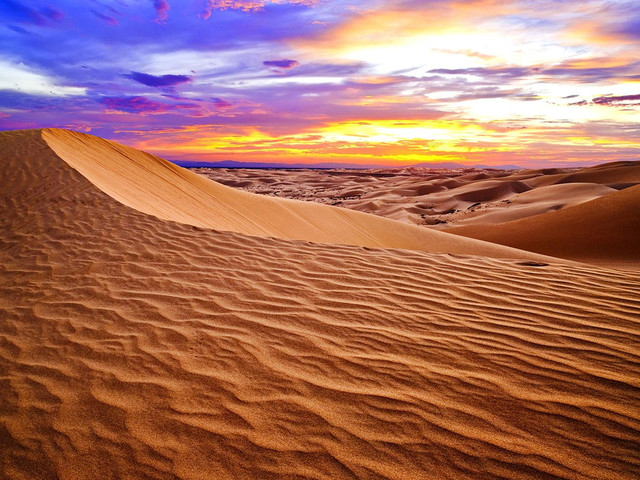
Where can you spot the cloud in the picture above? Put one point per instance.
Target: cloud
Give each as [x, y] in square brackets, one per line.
[219, 103]
[618, 22]
[248, 5]
[582, 72]
[505, 72]
[284, 63]
[630, 29]
[159, 81]
[610, 101]
[162, 10]
[618, 101]
[110, 20]
[18, 29]
[42, 17]
[142, 105]
[591, 74]
[22, 78]
[135, 104]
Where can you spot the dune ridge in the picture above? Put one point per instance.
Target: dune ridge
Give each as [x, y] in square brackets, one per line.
[157, 187]
[138, 348]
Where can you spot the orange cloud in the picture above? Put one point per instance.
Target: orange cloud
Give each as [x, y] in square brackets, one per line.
[248, 5]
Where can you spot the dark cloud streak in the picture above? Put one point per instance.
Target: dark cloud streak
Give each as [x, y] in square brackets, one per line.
[42, 17]
[159, 81]
[110, 20]
[622, 100]
[139, 104]
[284, 63]
[611, 101]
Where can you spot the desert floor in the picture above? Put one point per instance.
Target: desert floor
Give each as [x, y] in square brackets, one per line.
[155, 324]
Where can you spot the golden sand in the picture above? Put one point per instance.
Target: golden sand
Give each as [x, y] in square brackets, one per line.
[133, 346]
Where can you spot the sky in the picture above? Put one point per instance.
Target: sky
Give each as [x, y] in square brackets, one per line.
[395, 82]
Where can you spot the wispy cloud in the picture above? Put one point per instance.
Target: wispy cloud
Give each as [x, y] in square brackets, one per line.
[142, 105]
[281, 63]
[107, 18]
[612, 101]
[248, 5]
[620, 100]
[162, 10]
[44, 16]
[159, 80]
[134, 104]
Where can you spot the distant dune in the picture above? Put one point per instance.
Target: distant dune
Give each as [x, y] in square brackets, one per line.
[606, 229]
[135, 345]
[534, 210]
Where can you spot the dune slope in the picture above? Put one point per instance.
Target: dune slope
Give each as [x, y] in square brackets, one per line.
[137, 348]
[606, 229]
[157, 187]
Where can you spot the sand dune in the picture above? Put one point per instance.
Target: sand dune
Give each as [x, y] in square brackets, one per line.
[612, 174]
[535, 202]
[510, 208]
[157, 187]
[606, 229]
[136, 347]
[421, 196]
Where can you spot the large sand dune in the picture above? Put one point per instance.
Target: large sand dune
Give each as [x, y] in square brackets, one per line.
[606, 229]
[134, 347]
[154, 186]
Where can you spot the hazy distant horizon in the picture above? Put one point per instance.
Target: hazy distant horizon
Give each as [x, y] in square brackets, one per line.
[328, 165]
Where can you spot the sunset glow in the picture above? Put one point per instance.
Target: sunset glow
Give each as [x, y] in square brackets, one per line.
[377, 82]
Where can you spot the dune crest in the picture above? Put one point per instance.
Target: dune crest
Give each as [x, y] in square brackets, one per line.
[157, 187]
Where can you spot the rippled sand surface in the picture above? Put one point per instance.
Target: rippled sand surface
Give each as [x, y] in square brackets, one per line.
[135, 347]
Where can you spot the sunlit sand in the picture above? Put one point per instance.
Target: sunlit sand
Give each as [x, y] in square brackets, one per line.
[157, 324]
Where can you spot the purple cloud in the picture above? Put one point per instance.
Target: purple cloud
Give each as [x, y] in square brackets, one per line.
[160, 81]
[135, 104]
[141, 105]
[52, 14]
[619, 101]
[510, 72]
[18, 29]
[284, 63]
[42, 17]
[162, 10]
[611, 101]
[580, 103]
[247, 5]
[110, 20]
[219, 103]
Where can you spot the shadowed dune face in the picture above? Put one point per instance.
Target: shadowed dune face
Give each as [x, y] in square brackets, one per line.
[157, 187]
[133, 347]
[606, 229]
